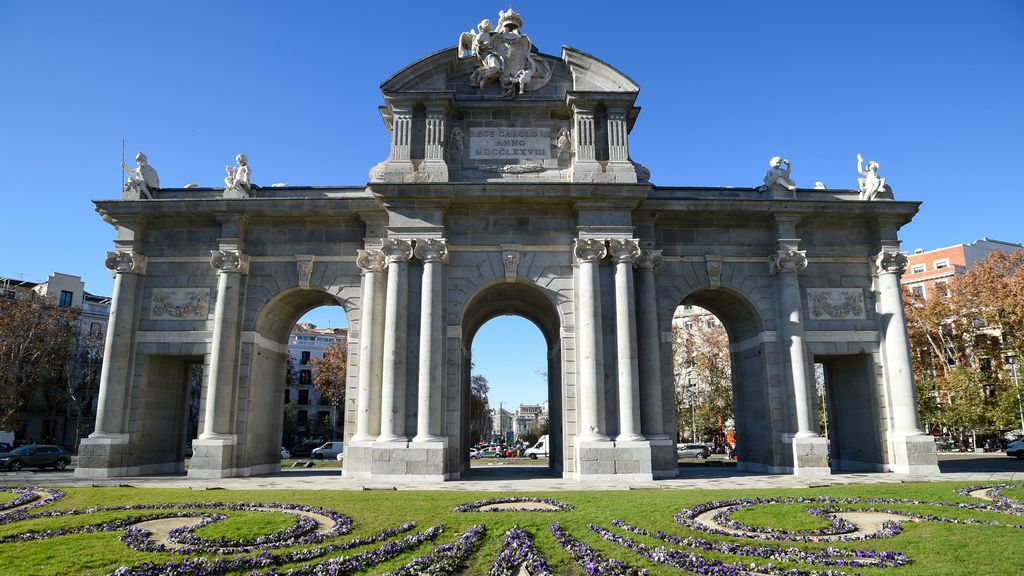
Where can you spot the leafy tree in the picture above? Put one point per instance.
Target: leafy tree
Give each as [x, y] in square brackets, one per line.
[37, 354]
[329, 379]
[82, 390]
[703, 377]
[479, 407]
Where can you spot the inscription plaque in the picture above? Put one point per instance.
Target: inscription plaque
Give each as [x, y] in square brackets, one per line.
[509, 143]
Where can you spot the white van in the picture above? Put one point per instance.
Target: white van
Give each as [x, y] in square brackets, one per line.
[538, 449]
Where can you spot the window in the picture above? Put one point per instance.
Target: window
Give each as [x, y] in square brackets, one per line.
[287, 396]
[917, 290]
[305, 357]
[918, 268]
[305, 377]
[324, 417]
[95, 328]
[303, 397]
[65, 299]
[302, 416]
[940, 264]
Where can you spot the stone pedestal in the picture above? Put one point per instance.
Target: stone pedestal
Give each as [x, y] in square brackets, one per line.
[398, 462]
[810, 456]
[664, 460]
[103, 456]
[213, 458]
[914, 455]
[614, 462]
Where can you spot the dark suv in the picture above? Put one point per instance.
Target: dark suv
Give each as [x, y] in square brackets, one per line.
[35, 456]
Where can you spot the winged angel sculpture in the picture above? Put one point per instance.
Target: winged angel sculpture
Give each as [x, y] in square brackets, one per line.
[504, 55]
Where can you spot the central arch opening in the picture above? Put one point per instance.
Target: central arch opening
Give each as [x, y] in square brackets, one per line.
[512, 384]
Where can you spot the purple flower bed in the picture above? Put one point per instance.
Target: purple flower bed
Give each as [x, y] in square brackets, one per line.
[516, 551]
[829, 556]
[24, 496]
[995, 492]
[446, 559]
[252, 564]
[475, 506]
[594, 564]
[27, 496]
[838, 527]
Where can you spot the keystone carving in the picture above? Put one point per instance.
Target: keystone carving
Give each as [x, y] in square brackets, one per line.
[714, 267]
[123, 261]
[304, 269]
[510, 258]
[788, 261]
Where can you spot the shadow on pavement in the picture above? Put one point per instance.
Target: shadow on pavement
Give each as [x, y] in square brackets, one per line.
[973, 462]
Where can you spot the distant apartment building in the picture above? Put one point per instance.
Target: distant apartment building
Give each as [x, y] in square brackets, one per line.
[929, 272]
[501, 422]
[58, 423]
[312, 413]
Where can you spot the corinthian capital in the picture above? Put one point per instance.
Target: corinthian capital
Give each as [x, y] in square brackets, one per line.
[649, 260]
[432, 250]
[589, 250]
[891, 262]
[371, 260]
[396, 249]
[624, 250]
[788, 261]
[229, 261]
[125, 262]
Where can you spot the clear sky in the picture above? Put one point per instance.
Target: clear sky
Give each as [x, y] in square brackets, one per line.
[931, 90]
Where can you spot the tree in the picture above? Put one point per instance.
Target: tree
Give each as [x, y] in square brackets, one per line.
[82, 389]
[703, 376]
[37, 354]
[479, 408]
[329, 379]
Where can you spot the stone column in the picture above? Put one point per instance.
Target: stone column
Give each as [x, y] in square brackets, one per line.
[434, 254]
[230, 264]
[584, 163]
[649, 340]
[618, 139]
[373, 263]
[786, 263]
[625, 253]
[590, 368]
[392, 409]
[114, 384]
[912, 451]
[891, 265]
[433, 164]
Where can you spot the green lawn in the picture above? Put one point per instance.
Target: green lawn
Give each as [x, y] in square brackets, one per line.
[935, 548]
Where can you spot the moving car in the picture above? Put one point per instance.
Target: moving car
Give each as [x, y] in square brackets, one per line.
[35, 456]
[492, 452]
[1016, 448]
[328, 450]
[699, 451]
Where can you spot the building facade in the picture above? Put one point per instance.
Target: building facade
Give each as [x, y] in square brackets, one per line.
[315, 416]
[930, 271]
[508, 188]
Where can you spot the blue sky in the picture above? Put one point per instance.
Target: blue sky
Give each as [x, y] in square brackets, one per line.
[931, 90]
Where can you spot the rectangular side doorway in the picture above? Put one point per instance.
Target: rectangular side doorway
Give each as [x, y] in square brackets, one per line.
[853, 412]
[168, 413]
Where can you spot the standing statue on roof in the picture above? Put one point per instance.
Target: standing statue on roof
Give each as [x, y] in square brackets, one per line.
[872, 186]
[504, 55]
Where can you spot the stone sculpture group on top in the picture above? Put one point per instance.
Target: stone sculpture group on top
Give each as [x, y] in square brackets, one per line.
[504, 55]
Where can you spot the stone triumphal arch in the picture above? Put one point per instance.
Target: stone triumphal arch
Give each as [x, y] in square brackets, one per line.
[509, 188]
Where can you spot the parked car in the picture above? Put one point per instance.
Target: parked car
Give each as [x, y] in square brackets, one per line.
[285, 454]
[474, 453]
[35, 456]
[540, 449]
[328, 450]
[492, 452]
[5, 447]
[699, 451]
[1016, 448]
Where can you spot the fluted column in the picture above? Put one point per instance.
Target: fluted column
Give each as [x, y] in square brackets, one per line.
[373, 263]
[110, 411]
[891, 265]
[434, 254]
[624, 254]
[392, 410]
[618, 138]
[786, 263]
[433, 150]
[590, 369]
[649, 340]
[584, 134]
[230, 264]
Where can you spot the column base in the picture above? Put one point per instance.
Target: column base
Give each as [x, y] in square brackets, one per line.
[103, 456]
[914, 455]
[618, 462]
[664, 460]
[810, 456]
[403, 461]
[214, 457]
